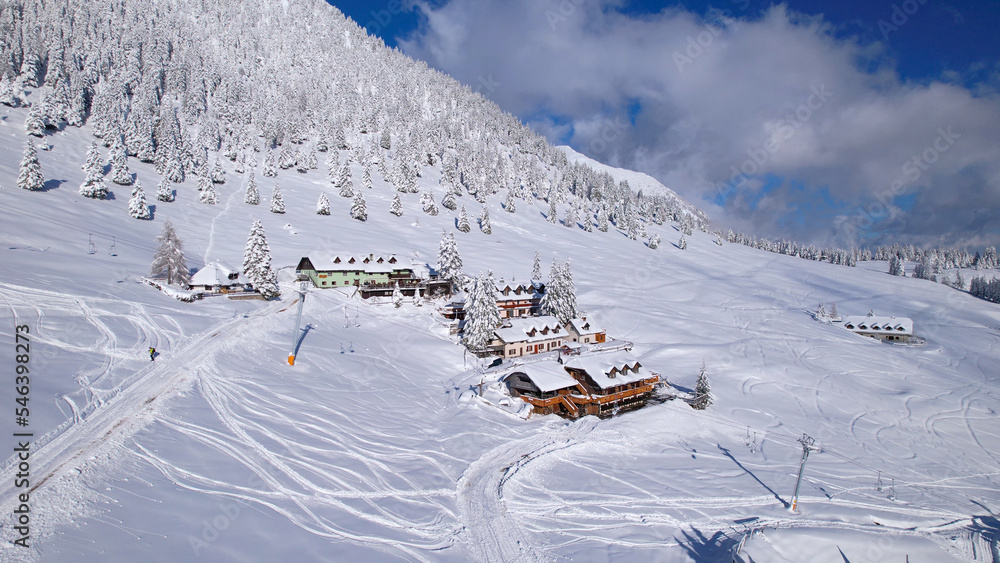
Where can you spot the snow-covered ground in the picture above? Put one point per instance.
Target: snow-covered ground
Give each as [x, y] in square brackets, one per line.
[373, 446]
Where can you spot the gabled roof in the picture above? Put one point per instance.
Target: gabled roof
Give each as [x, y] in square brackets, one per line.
[879, 325]
[548, 375]
[324, 261]
[584, 326]
[600, 367]
[520, 329]
[216, 273]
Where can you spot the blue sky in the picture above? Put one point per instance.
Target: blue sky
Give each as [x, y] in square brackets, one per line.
[694, 90]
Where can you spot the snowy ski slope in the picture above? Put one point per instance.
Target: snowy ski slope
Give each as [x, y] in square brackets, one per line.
[374, 446]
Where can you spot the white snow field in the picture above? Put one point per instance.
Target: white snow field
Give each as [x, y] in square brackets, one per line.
[375, 447]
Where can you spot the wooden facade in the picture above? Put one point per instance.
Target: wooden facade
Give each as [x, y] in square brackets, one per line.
[373, 275]
[588, 388]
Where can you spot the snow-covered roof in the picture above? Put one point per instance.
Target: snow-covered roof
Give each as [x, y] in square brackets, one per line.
[583, 326]
[879, 325]
[520, 329]
[216, 273]
[325, 261]
[600, 368]
[547, 375]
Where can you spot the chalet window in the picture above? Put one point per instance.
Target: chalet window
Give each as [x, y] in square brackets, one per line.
[351, 261]
[849, 326]
[392, 260]
[336, 260]
[900, 329]
[863, 327]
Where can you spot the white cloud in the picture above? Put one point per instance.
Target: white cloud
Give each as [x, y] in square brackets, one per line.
[713, 92]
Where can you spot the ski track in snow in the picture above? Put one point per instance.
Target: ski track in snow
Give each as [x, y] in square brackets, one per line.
[63, 453]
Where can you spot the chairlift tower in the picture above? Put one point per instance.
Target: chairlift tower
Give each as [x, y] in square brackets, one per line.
[303, 283]
[808, 445]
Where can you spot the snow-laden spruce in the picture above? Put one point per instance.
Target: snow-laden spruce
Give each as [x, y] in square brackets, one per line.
[427, 203]
[896, 266]
[218, 174]
[359, 209]
[397, 205]
[463, 221]
[277, 202]
[484, 221]
[93, 184]
[163, 190]
[654, 242]
[323, 205]
[449, 263]
[397, 296]
[118, 160]
[29, 176]
[702, 390]
[137, 203]
[257, 262]
[168, 260]
[207, 190]
[536, 269]
[482, 314]
[252, 195]
[560, 294]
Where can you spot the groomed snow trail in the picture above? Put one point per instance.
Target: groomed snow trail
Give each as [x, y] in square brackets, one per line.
[496, 533]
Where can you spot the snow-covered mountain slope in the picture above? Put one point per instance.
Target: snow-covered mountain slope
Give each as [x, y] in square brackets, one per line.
[639, 182]
[375, 447]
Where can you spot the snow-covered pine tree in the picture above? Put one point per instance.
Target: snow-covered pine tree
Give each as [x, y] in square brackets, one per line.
[397, 206]
[821, 312]
[270, 169]
[448, 201]
[896, 267]
[570, 220]
[560, 294]
[551, 217]
[29, 176]
[240, 165]
[359, 209]
[718, 240]
[34, 123]
[218, 174]
[118, 160]
[654, 241]
[137, 204]
[427, 202]
[481, 314]
[702, 391]
[508, 204]
[463, 221]
[449, 262]
[257, 262]
[397, 295]
[277, 203]
[93, 185]
[168, 260]
[602, 219]
[323, 205]
[484, 221]
[683, 243]
[163, 190]
[959, 281]
[344, 181]
[366, 178]
[536, 269]
[207, 190]
[252, 194]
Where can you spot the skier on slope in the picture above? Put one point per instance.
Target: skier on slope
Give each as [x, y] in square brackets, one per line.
[152, 354]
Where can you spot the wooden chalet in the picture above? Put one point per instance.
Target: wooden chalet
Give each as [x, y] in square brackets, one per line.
[527, 336]
[373, 275]
[890, 329]
[514, 301]
[218, 277]
[596, 384]
[585, 332]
